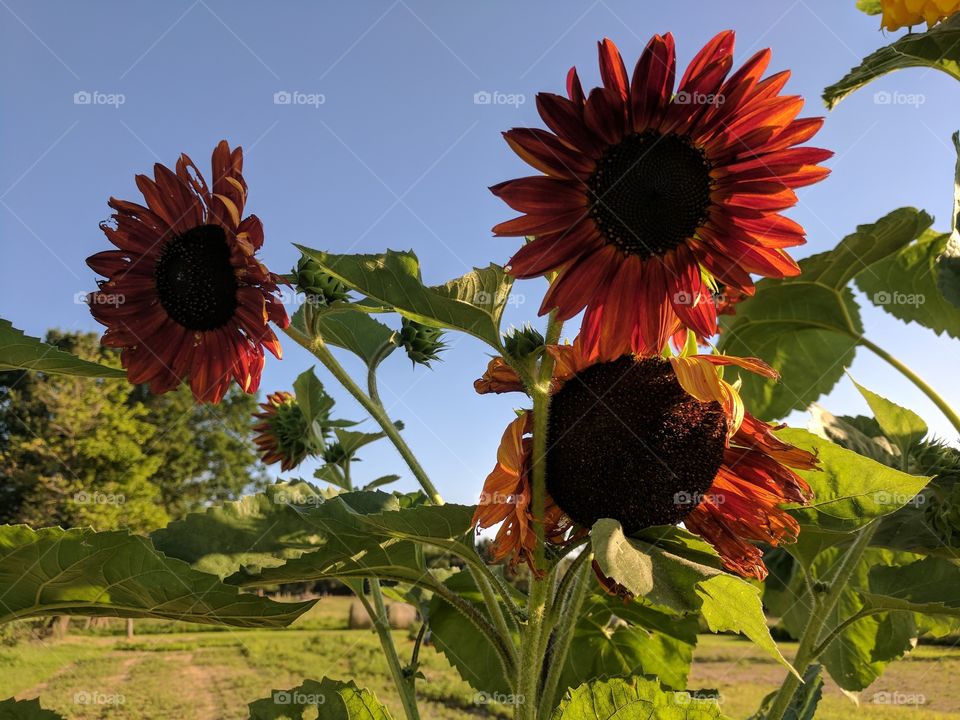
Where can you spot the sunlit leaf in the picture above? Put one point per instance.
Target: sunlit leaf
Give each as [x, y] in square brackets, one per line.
[83, 572]
[683, 576]
[902, 426]
[808, 327]
[22, 352]
[634, 697]
[472, 304]
[849, 490]
[937, 48]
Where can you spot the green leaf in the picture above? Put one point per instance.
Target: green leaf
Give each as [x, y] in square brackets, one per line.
[902, 426]
[906, 284]
[22, 352]
[616, 638]
[861, 652]
[472, 303]
[381, 481]
[351, 440]
[937, 48]
[808, 327]
[11, 709]
[346, 326]
[930, 586]
[683, 576]
[324, 700]
[849, 490]
[311, 397]
[464, 646]
[82, 572]
[948, 263]
[634, 697]
[257, 531]
[370, 534]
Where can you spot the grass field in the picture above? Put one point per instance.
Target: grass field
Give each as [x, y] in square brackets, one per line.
[177, 672]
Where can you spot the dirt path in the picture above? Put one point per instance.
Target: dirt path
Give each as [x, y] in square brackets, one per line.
[196, 684]
[37, 689]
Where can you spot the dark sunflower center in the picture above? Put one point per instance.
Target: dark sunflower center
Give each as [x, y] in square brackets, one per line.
[627, 442]
[195, 281]
[651, 193]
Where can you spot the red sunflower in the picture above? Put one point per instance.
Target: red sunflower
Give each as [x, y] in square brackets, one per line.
[653, 195]
[647, 441]
[282, 431]
[185, 298]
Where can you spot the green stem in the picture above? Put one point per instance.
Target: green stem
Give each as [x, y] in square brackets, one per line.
[318, 349]
[405, 685]
[530, 664]
[496, 612]
[916, 380]
[833, 634]
[810, 640]
[571, 594]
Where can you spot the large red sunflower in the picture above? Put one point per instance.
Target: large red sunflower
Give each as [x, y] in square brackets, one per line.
[652, 196]
[184, 297]
[647, 441]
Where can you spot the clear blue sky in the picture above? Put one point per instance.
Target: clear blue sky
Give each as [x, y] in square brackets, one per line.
[399, 156]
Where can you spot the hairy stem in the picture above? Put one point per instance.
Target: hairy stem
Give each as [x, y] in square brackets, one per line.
[807, 650]
[405, 685]
[319, 350]
[571, 594]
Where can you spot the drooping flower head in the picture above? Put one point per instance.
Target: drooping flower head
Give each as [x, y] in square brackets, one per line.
[906, 13]
[648, 441]
[185, 298]
[282, 431]
[652, 193]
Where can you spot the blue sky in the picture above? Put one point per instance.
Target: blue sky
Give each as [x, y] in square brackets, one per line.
[398, 155]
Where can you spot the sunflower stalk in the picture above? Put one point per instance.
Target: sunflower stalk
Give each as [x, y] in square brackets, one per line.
[810, 646]
[318, 349]
[571, 593]
[405, 684]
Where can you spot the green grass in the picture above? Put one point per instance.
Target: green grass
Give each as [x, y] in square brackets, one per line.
[167, 673]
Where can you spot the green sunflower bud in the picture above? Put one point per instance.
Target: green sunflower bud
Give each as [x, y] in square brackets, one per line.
[421, 342]
[321, 287]
[335, 454]
[523, 342]
[283, 434]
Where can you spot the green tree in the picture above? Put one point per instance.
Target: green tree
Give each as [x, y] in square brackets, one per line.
[79, 451]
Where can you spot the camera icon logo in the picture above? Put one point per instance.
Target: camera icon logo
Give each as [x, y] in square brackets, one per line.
[482, 97]
[282, 97]
[82, 97]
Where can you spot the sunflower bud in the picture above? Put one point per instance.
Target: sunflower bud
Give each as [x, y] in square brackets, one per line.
[524, 342]
[421, 342]
[283, 431]
[321, 287]
[336, 454]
